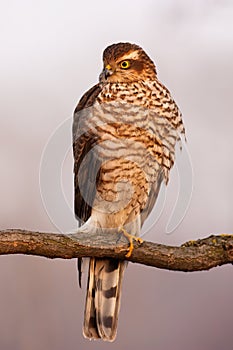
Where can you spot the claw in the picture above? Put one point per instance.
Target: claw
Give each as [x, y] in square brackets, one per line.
[130, 238]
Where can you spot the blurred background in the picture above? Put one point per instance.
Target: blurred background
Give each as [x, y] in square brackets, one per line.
[50, 55]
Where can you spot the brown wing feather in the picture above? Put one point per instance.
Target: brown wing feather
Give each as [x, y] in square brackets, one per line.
[82, 144]
[152, 197]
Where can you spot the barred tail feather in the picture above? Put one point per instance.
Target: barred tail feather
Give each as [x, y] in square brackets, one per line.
[103, 298]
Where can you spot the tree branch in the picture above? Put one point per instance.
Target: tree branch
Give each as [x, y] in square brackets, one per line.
[202, 254]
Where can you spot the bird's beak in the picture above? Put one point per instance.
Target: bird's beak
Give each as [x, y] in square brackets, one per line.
[107, 71]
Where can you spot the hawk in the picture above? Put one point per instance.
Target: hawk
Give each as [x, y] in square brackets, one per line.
[125, 131]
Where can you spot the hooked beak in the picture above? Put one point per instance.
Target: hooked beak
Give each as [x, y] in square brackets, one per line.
[106, 72]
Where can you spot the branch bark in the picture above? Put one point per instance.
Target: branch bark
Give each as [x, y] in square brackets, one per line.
[202, 254]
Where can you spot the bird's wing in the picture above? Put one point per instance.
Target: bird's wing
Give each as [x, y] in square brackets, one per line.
[83, 141]
[152, 197]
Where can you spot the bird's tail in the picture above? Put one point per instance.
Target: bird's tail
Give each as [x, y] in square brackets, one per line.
[103, 298]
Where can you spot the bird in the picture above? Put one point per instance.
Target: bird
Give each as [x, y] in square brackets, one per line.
[125, 132]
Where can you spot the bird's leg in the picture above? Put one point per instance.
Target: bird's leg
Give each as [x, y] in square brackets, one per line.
[130, 238]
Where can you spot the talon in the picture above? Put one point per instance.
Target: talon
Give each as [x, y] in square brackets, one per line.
[131, 238]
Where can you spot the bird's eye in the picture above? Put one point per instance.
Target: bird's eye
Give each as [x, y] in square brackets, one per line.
[125, 64]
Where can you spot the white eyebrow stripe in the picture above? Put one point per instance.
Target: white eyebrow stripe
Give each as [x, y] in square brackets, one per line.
[133, 56]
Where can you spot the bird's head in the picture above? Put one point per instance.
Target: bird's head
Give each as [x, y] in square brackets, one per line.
[125, 62]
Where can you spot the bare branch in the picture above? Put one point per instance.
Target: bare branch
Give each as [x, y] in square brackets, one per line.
[202, 254]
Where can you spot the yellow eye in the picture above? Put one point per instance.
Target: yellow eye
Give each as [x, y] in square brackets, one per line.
[125, 64]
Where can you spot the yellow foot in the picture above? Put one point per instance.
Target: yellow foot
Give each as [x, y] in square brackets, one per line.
[131, 238]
